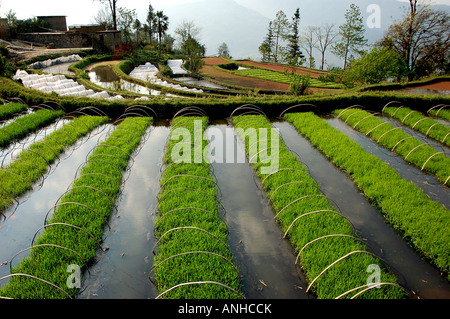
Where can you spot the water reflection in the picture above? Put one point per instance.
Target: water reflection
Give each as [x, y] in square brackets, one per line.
[122, 271]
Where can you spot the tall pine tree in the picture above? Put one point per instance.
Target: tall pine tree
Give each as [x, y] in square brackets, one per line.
[352, 35]
[295, 55]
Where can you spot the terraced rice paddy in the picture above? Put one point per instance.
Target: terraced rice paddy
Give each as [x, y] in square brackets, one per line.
[282, 78]
[146, 214]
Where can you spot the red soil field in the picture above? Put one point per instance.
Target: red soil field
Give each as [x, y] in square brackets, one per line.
[441, 86]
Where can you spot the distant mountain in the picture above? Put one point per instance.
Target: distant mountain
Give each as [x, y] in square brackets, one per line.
[242, 28]
[242, 24]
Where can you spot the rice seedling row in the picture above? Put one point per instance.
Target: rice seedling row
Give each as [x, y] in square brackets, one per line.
[9, 110]
[30, 165]
[23, 126]
[192, 256]
[333, 258]
[395, 139]
[421, 123]
[73, 228]
[423, 222]
[440, 111]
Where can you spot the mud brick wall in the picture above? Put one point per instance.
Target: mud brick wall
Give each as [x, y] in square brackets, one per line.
[58, 40]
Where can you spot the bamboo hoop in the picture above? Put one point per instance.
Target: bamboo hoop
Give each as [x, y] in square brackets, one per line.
[347, 109]
[337, 261]
[78, 204]
[310, 213]
[298, 105]
[39, 279]
[284, 169]
[199, 283]
[187, 227]
[415, 148]
[47, 245]
[71, 226]
[423, 167]
[191, 253]
[320, 238]
[401, 141]
[296, 201]
[387, 105]
[189, 208]
[365, 118]
[385, 133]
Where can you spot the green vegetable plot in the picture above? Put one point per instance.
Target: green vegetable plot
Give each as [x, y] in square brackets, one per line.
[19, 176]
[193, 259]
[73, 229]
[23, 126]
[421, 123]
[424, 223]
[9, 110]
[283, 78]
[412, 150]
[336, 262]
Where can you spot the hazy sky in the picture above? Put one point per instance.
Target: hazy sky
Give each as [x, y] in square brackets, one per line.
[76, 12]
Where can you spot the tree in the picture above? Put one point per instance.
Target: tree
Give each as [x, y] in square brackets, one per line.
[309, 42]
[378, 65]
[325, 36]
[280, 26]
[151, 21]
[104, 18]
[161, 26]
[186, 30]
[352, 35]
[223, 51]
[295, 55]
[113, 9]
[195, 52]
[137, 26]
[125, 22]
[266, 48]
[422, 39]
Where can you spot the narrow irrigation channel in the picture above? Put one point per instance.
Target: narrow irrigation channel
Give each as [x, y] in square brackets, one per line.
[266, 260]
[121, 272]
[21, 222]
[428, 183]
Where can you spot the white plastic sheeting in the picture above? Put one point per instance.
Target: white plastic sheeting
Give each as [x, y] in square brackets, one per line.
[148, 72]
[50, 62]
[177, 67]
[60, 85]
